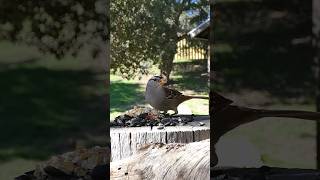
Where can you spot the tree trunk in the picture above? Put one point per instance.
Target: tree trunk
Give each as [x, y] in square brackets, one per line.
[166, 162]
[166, 65]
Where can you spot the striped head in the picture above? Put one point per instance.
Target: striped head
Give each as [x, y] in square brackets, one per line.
[160, 80]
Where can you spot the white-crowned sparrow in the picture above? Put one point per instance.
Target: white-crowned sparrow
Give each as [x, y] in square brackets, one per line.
[163, 98]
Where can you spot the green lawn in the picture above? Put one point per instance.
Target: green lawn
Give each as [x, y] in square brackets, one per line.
[124, 95]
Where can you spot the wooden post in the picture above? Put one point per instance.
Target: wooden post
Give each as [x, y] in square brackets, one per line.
[126, 142]
[316, 46]
[189, 52]
[184, 49]
[197, 53]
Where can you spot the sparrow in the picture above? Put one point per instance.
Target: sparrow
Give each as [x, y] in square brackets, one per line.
[164, 98]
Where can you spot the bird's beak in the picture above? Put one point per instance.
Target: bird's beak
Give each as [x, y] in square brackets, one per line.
[162, 82]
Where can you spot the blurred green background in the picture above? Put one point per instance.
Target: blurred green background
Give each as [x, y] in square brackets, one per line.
[264, 59]
[47, 107]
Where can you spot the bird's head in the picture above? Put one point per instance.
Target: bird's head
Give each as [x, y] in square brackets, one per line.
[162, 79]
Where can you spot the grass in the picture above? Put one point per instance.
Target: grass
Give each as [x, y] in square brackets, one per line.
[124, 95]
[47, 107]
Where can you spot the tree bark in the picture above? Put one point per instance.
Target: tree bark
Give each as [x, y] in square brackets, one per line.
[166, 65]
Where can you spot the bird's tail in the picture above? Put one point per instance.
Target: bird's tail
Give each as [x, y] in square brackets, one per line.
[197, 97]
[315, 116]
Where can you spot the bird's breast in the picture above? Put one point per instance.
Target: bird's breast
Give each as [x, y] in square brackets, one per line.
[154, 96]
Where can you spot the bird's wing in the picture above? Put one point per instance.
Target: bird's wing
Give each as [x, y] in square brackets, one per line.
[171, 93]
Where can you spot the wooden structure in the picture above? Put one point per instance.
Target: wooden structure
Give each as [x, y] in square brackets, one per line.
[127, 141]
[165, 162]
[202, 31]
[185, 52]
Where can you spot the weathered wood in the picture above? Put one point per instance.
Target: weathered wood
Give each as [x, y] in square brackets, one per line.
[126, 141]
[166, 162]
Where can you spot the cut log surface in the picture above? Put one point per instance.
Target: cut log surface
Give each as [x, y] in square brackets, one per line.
[126, 141]
[166, 162]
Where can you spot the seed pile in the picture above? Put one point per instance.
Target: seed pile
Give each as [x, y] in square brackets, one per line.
[145, 116]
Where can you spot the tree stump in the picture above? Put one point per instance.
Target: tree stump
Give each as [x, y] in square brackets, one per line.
[165, 162]
[126, 141]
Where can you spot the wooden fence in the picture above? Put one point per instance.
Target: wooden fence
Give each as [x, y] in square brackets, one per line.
[185, 52]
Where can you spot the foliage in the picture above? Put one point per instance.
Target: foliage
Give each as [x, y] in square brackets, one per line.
[145, 33]
[266, 45]
[58, 27]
